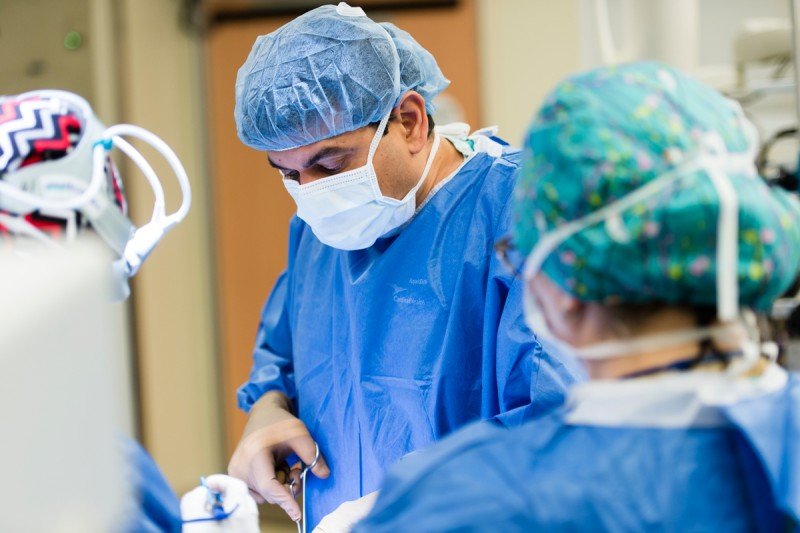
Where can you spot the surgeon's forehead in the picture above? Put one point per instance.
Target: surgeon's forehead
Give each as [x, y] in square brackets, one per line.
[343, 144]
[345, 139]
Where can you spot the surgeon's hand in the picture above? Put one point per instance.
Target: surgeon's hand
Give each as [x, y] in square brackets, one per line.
[272, 434]
[347, 515]
[236, 498]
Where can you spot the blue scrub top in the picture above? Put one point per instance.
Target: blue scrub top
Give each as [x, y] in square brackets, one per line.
[388, 349]
[549, 475]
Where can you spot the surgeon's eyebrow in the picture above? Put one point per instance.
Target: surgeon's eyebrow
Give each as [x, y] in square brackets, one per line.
[314, 159]
[328, 152]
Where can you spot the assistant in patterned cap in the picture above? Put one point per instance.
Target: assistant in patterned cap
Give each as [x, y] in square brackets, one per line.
[627, 200]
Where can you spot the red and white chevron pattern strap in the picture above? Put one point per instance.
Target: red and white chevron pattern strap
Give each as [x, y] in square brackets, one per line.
[32, 127]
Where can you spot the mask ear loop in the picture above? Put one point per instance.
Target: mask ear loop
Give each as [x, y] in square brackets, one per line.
[373, 145]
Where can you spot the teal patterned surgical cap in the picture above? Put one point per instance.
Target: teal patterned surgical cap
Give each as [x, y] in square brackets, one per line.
[603, 134]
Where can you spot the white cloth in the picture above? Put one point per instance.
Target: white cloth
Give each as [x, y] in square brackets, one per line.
[672, 400]
[347, 515]
[457, 133]
[234, 492]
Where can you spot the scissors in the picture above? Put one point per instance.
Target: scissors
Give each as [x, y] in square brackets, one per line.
[301, 523]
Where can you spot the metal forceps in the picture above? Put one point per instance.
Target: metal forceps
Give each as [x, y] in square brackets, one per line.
[301, 524]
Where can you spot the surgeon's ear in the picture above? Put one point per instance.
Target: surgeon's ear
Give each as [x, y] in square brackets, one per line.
[412, 116]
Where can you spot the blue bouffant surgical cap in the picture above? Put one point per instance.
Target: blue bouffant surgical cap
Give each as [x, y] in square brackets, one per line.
[327, 72]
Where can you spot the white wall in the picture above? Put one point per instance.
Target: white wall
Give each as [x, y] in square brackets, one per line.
[640, 27]
[161, 88]
[635, 25]
[720, 21]
[526, 47]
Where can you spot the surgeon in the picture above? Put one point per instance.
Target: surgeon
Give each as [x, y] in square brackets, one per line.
[57, 181]
[651, 245]
[394, 323]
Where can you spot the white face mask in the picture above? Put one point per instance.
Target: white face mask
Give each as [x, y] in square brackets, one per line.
[347, 210]
[717, 162]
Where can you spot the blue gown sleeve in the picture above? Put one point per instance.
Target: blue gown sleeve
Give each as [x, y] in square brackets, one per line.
[530, 380]
[546, 374]
[157, 508]
[461, 484]
[769, 427]
[273, 367]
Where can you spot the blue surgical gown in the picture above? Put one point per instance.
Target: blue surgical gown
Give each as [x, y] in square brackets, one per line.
[549, 475]
[155, 507]
[386, 350]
